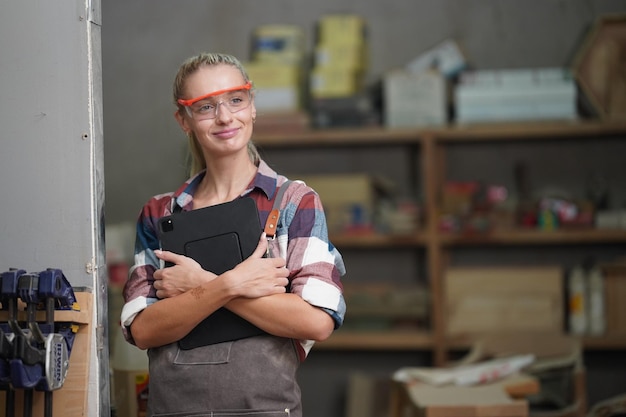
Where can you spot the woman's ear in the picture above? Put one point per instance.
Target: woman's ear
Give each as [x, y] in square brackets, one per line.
[182, 122]
[253, 111]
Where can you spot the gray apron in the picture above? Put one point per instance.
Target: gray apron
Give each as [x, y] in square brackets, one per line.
[255, 376]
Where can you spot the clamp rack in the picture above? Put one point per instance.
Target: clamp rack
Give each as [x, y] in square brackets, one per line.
[43, 320]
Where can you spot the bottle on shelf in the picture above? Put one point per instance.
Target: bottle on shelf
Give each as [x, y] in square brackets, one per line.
[577, 301]
[596, 310]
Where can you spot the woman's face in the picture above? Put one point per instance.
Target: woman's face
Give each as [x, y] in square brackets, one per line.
[222, 122]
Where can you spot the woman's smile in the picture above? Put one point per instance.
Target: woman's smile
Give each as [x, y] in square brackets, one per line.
[227, 133]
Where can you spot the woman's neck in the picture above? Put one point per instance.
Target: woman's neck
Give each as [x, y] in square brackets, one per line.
[224, 181]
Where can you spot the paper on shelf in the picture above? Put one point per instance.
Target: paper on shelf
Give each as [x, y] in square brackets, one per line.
[482, 372]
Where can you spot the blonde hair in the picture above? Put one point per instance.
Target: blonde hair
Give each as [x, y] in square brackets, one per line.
[188, 67]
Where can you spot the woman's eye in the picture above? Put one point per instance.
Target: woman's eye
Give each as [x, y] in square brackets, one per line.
[205, 108]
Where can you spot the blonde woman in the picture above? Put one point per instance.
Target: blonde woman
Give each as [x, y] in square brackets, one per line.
[295, 297]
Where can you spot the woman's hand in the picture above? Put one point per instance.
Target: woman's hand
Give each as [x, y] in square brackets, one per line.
[184, 275]
[257, 276]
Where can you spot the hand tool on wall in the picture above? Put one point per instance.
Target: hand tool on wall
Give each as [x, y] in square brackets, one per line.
[8, 298]
[40, 352]
[29, 355]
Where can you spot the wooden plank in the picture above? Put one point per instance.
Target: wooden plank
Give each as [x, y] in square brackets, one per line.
[80, 316]
[488, 299]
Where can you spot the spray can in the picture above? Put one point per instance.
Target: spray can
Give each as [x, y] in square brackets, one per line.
[577, 301]
[596, 310]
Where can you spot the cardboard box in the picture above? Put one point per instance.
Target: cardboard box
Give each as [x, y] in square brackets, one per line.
[599, 67]
[615, 292]
[335, 82]
[340, 55]
[271, 74]
[348, 199]
[279, 44]
[412, 100]
[278, 87]
[487, 299]
[526, 94]
[342, 28]
[478, 401]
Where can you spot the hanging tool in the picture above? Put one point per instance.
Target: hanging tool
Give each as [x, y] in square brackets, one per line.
[8, 298]
[27, 364]
[56, 292]
[41, 353]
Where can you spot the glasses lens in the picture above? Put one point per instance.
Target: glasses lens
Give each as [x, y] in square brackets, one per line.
[234, 101]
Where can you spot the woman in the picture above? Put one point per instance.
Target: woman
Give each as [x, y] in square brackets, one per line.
[254, 375]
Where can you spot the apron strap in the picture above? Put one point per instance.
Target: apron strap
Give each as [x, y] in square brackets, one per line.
[272, 218]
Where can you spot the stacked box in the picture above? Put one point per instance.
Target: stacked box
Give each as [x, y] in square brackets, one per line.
[341, 28]
[414, 99]
[332, 82]
[276, 69]
[277, 86]
[341, 57]
[509, 95]
[282, 44]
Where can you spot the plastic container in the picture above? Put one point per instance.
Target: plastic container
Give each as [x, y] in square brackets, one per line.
[596, 310]
[577, 297]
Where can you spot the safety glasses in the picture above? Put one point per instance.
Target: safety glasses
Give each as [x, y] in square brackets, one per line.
[206, 106]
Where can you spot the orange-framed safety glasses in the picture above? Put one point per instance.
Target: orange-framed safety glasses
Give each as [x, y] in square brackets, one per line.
[189, 102]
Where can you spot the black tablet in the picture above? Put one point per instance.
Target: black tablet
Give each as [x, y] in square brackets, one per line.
[218, 238]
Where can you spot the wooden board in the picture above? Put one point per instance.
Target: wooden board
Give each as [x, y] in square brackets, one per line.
[487, 299]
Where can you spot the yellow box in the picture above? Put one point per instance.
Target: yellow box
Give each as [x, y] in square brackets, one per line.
[271, 75]
[341, 55]
[278, 43]
[342, 28]
[332, 82]
[278, 87]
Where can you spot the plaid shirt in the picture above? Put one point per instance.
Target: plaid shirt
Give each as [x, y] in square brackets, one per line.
[302, 239]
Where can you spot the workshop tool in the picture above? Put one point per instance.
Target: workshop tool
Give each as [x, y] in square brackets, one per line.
[8, 298]
[41, 352]
[27, 364]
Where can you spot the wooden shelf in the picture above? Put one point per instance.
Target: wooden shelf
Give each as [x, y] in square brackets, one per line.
[454, 133]
[529, 131]
[372, 240]
[430, 144]
[605, 342]
[496, 237]
[611, 342]
[386, 311]
[535, 237]
[339, 137]
[382, 340]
